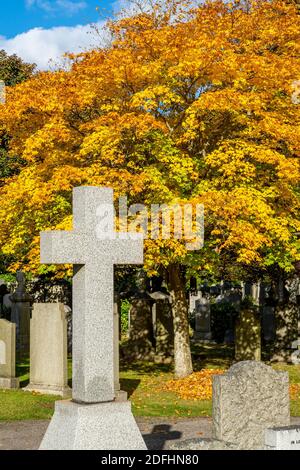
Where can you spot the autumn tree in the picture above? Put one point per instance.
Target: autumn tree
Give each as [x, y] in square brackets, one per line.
[13, 70]
[188, 104]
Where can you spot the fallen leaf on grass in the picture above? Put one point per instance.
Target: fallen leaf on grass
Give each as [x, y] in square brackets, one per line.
[197, 386]
[295, 391]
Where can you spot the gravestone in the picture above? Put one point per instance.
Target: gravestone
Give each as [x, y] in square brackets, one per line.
[93, 419]
[8, 355]
[284, 438]
[203, 319]
[20, 315]
[268, 323]
[163, 327]
[49, 350]
[141, 336]
[248, 336]
[235, 298]
[193, 297]
[5, 302]
[248, 399]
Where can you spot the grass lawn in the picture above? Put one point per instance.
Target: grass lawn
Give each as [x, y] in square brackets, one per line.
[144, 383]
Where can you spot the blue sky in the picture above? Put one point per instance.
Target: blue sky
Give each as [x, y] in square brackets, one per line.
[39, 30]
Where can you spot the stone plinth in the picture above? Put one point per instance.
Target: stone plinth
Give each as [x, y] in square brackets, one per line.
[103, 426]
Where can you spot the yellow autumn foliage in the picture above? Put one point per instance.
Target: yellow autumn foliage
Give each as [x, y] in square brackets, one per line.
[188, 104]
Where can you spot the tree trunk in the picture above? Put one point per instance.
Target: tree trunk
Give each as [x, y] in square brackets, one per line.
[182, 351]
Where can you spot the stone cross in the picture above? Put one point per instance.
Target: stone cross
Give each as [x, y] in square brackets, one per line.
[93, 248]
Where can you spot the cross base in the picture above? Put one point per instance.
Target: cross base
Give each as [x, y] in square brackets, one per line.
[101, 426]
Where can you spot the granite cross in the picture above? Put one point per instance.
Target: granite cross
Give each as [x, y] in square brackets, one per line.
[93, 248]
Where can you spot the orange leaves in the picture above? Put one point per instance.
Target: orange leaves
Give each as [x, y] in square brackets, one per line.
[188, 103]
[197, 386]
[295, 391]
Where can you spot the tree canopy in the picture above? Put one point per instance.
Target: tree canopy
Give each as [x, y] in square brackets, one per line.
[187, 104]
[13, 69]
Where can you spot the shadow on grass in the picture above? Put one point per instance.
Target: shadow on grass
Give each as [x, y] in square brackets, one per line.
[143, 367]
[204, 356]
[129, 385]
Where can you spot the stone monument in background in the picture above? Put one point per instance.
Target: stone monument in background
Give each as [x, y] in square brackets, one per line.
[163, 326]
[203, 319]
[49, 350]
[8, 355]
[20, 315]
[250, 402]
[247, 400]
[248, 335]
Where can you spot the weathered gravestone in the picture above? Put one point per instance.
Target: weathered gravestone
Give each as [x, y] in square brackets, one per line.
[247, 400]
[250, 398]
[8, 355]
[203, 319]
[49, 350]
[268, 323]
[248, 336]
[141, 338]
[163, 327]
[5, 302]
[284, 438]
[93, 419]
[20, 315]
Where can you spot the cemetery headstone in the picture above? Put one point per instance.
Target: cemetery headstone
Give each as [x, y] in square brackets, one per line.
[268, 323]
[20, 315]
[5, 302]
[247, 400]
[8, 355]
[193, 297]
[203, 319]
[248, 336]
[49, 350]
[163, 327]
[141, 336]
[93, 419]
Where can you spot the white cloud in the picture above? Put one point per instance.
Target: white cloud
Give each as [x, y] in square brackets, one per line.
[40, 45]
[68, 7]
